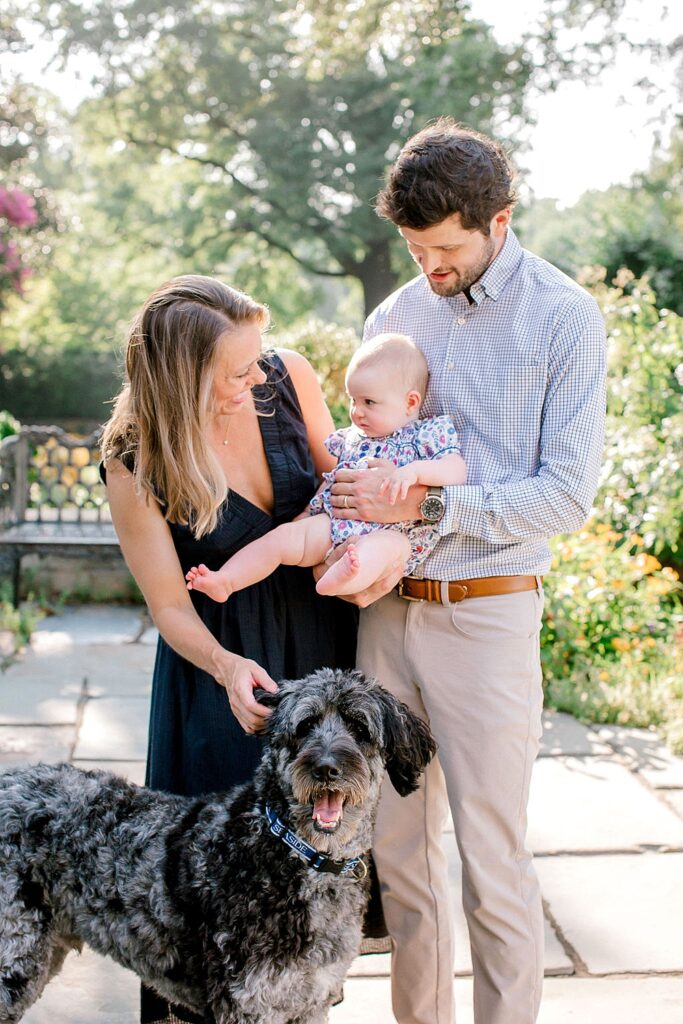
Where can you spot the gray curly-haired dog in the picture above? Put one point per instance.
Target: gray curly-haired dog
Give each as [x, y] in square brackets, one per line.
[246, 907]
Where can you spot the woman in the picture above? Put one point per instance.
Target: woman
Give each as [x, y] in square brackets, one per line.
[212, 444]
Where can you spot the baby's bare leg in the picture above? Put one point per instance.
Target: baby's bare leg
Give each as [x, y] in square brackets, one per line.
[366, 560]
[304, 542]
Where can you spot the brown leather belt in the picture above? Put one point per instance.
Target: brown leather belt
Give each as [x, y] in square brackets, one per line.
[413, 589]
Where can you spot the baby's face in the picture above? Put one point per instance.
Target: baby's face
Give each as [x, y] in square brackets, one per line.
[378, 400]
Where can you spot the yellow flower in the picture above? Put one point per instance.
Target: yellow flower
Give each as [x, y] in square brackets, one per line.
[603, 676]
[646, 563]
[620, 643]
[637, 540]
[658, 586]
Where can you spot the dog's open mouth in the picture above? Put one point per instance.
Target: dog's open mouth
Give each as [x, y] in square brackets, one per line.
[328, 808]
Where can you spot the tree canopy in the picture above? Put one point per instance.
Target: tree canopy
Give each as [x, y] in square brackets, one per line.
[290, 113]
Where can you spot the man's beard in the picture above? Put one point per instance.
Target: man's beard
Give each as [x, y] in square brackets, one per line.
[465, 280]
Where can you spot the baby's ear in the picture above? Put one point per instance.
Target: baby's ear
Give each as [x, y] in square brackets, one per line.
[413, 401]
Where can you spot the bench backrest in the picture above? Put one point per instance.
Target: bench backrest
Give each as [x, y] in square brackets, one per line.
[47, 475]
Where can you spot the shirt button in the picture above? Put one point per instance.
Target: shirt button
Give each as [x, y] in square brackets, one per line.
[451, 366]
[462, 320]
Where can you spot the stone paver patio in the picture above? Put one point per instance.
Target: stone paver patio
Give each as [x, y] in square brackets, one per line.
[605, 823]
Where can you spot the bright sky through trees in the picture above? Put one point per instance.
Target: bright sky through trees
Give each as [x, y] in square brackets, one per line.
[588, 134]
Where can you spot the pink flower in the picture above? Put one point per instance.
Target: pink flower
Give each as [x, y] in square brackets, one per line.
[9, 257]
[17, 207]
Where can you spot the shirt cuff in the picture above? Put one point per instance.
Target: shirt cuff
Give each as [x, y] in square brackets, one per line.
[464, 510]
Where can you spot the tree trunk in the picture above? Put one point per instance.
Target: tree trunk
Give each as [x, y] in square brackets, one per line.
[376, 275]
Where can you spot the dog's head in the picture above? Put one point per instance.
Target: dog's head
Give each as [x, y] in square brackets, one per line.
[332, 734]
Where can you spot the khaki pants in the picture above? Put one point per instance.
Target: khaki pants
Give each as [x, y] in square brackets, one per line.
[472, 670]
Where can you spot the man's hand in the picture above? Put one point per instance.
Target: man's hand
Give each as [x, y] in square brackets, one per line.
[371, 594]
[357, 494]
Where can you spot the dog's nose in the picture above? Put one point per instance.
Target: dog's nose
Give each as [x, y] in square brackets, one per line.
[325, 771]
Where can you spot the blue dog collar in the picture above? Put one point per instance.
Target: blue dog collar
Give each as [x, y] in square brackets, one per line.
[316, 860]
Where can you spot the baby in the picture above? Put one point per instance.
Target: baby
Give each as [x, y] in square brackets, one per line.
[386, 382]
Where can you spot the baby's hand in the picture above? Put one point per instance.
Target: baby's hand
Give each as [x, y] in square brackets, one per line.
[397, 484]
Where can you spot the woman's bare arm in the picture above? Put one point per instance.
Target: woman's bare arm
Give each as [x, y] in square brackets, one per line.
[148, 548]
[317, 419]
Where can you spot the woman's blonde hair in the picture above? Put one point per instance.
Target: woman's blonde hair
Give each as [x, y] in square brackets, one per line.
[161, 416]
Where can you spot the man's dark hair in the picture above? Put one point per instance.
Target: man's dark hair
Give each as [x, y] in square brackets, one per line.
[447, 168]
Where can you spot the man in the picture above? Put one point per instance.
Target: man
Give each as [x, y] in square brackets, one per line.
[516, 353]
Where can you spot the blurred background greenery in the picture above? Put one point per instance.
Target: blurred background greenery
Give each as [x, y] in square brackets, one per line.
[248, 140]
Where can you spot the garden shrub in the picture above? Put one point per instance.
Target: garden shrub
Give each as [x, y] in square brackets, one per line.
[641, 487]
[329, 349]
[8, 424]
[612, 643]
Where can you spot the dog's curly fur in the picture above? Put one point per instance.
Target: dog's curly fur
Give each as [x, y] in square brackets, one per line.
[196, 895]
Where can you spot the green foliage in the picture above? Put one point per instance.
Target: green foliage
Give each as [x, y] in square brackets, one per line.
[55, 368]
[637, 226]
[329, 349]
[641, 487]
[8, 424]
[612, 644]
[16, 624]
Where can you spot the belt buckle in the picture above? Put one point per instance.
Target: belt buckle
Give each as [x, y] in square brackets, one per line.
[406, 597]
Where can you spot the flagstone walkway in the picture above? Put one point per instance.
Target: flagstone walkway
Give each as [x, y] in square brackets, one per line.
[606, 825]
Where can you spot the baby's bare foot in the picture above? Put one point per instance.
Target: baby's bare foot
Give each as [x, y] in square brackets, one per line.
[337, 578]
[207, 582]
[349, 563]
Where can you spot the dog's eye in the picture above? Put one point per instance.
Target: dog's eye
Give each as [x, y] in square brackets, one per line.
[360, 730]
[305, 726]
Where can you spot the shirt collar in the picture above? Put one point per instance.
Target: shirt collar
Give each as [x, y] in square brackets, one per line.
[496, 276]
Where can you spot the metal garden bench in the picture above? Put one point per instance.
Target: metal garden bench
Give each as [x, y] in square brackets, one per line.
[52, 500]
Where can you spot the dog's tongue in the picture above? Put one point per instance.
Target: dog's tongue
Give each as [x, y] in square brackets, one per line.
[327, 808]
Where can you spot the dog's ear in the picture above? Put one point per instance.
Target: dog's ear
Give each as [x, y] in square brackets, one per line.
[268, 699]
[409, 743]
[278, 702]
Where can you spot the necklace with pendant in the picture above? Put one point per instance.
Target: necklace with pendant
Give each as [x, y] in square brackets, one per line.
[225, 438]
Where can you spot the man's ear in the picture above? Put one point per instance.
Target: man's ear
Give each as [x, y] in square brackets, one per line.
[500, 221]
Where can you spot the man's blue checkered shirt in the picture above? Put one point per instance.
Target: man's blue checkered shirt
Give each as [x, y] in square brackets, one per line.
[522, 373]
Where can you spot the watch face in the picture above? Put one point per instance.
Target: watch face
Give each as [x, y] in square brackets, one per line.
[432, 509]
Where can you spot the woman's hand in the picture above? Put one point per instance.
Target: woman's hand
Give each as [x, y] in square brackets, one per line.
[240, 677]
[358, 494]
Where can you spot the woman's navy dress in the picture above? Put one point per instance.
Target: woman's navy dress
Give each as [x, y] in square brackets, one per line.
[196, 746]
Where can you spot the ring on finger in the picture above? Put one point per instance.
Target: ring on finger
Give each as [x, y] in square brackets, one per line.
[346, 501]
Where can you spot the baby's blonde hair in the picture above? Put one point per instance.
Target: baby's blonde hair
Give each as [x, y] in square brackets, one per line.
[397, 352]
